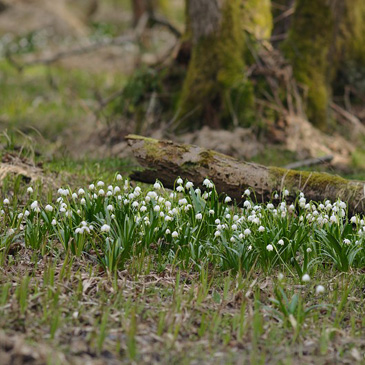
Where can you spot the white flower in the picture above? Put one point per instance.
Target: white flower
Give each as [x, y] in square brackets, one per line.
[100, 183]
[249, 248]
[174, 234]
[353, 219]
[217, 221]
[233, 239]
[183, 201]
[6, 201]
[228, 216]
[306, 278]
[110, 207]
[247, 192]
[143, 208]
[157, 208]
[11, 231]
[286, 192]
[276, 196]
[119, 177]
[320, 289]
[346, 241]
[26, 213]
[105, 228]
[227, 199]
[270, 206]
[261, 229]
[101, 192]
[30, 190]
[179, 181]
[199, 216]
[281, 242]
[48, 208]
[180, 188]
[135, 204]
[206, 182]
[83, 201]
[167, 231]
[234, 227]
[269, 247]
[189, 185]
[247, 232]
[74, 196]
[20, 215]
[91, 187]
[198, 191]
[217, 233]
[280, 276]
[34, 205]
[116, 190]
[54, 222]
[157, 186]
[309, 250]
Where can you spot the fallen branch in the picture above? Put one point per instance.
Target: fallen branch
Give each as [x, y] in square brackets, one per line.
[117, 41]
[167, 160]
[309, 162]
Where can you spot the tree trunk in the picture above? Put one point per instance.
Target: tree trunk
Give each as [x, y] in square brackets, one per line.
[166, 161]
[215, 91]
[323, 35]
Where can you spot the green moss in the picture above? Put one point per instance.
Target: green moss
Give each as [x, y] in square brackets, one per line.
[294, 180]
[258, 18]
[215, 91]
[307, 47]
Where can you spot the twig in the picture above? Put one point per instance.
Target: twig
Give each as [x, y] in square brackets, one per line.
[155, 19]
[309, 162]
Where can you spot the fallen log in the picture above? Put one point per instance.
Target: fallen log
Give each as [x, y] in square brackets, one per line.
[166, 160]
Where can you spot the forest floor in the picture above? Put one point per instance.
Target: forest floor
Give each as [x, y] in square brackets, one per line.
[57, 308]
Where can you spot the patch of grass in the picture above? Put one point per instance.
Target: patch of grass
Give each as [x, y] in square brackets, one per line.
[116, 272]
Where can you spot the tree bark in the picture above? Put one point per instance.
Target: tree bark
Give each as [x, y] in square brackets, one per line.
[325, 36]
[215, 91]
[167, 160]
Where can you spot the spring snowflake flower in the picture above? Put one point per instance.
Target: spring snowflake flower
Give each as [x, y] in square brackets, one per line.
[227, 199]
[167, 231]
[233, 239]
[116, 190]
[83, 201]
[174, 234]
[180, 188]
[320, 289]
[217, 233]
[183, 201]
[30, 190]
[157, 186]
[281, 242]
[309, 250]
[276, 196]
[270, 247]
[54, 222]
[261, 229]
[189, 185]
[157, 208]
[143, 208]
[286, 192]
[81, 191]
[353, 219]
[6, 201]
[346, 241]
[100, 183]
[247, 192]
[101, 192]
[135, 204]
[34, 205]
[26, 213]
[48, 208]
[105, 228]
[119, 177]
[247, 232]
[91, 187]
[306, 278]
[199, 216]
[20, 215]
[110, 207]
[280, 276]
[234, 227]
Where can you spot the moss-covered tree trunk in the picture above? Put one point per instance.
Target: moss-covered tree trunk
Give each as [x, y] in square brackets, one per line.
[166, 161]
[322, 36]
[215, 91]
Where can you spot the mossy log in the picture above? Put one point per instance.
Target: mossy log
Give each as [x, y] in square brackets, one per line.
[166, 160]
